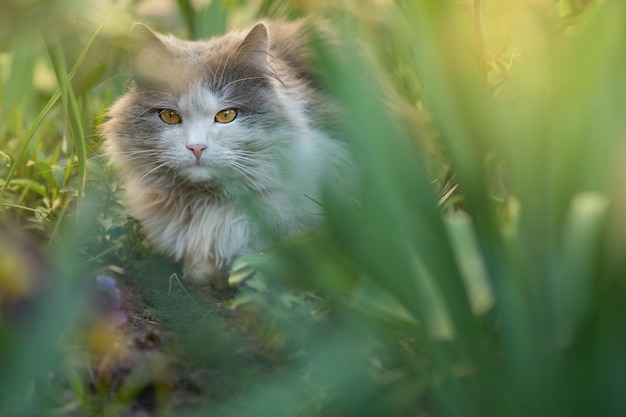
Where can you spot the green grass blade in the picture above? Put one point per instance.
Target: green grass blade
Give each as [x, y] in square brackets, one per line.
[43, 113]
[188, 14]
[71, 109]
[31, 134]
[210, 20]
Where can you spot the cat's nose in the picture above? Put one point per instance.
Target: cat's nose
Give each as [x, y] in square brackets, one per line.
[196, 149]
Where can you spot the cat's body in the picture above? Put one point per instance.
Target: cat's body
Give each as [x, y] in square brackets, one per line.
[221, 145]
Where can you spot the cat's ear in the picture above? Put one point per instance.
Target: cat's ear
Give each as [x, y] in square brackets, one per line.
[255, 46]
[141, 36]
[148, 53]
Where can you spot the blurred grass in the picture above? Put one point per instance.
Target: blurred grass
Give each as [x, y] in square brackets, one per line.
[501, 298]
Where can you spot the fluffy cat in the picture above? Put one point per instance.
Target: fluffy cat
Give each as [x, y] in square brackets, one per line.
[223, 144]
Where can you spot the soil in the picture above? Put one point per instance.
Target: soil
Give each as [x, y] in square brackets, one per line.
[178, 347]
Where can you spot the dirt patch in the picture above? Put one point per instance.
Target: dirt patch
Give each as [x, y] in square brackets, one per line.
[176, 347]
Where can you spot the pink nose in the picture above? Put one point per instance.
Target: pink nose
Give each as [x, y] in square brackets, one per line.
[197, 150]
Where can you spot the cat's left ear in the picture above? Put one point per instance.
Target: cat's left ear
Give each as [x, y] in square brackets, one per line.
[149, 54]
[142, 36]
[255, 46]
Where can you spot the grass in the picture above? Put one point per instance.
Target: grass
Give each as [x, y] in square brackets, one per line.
[483, 275]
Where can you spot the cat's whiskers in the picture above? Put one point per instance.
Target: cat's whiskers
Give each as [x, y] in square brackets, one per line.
[230, 53]
[136, 155]
[237, 104]
[174, 172]
[137, 151]
[256, 172]
[151, 104]
[222, 89]
[164, 176]
[140, 115]
[253, 160]
[271, 71]
[97, 158]
[109, 80]
[151, 171]
[208, 67]
[253, 183]
[255, 163]
[254, 154]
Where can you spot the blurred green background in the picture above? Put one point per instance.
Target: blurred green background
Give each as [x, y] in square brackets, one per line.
[485, 274]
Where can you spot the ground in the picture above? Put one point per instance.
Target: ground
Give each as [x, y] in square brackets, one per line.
[181, 347]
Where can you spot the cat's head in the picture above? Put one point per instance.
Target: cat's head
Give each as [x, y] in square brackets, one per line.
[212, 113]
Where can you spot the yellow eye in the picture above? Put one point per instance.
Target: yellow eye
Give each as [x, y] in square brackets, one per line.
[226, 115]
[171, 117]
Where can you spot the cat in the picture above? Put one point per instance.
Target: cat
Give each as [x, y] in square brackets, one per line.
[225, 145]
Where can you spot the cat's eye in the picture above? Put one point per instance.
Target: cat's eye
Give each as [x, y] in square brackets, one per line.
[171, 117]
[226, 115]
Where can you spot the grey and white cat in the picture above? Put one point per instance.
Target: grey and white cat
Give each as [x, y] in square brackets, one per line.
[221, 143]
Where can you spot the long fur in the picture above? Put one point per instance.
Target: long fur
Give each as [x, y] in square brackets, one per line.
[259, 176]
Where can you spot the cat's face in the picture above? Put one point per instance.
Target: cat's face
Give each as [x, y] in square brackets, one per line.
[201, 113]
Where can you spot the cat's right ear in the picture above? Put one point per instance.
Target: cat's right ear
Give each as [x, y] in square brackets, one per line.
[255, 46]
[148, 53]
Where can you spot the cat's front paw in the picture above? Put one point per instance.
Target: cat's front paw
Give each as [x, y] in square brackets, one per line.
[205, 273]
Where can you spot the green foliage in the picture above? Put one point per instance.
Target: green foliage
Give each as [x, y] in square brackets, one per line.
[500, 295]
